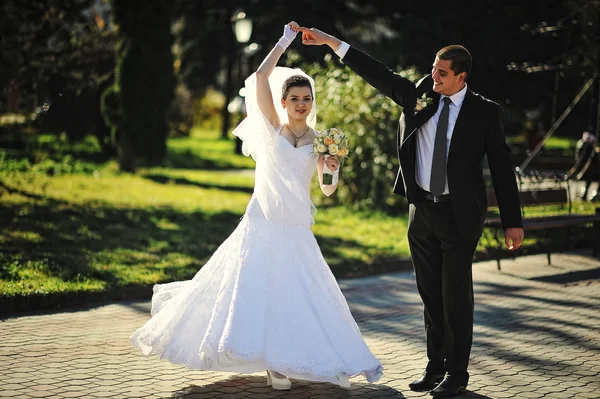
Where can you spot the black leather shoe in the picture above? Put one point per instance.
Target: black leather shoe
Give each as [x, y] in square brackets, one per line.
[448, 388]
[426, 382]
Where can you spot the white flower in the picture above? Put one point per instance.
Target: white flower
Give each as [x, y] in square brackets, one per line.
[333, 149]
[321, 147]
[337, 139]
[422, 103]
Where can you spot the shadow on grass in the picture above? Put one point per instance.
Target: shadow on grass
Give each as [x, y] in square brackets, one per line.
[124, 248]
[343, 265]
[186, 159]
[182, 181]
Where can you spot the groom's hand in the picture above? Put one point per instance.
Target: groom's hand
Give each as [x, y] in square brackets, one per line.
[315, 37]
[513, 237]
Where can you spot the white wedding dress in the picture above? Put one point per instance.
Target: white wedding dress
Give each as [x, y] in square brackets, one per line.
[266, 299]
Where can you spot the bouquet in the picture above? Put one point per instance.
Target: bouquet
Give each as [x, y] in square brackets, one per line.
[329, 143]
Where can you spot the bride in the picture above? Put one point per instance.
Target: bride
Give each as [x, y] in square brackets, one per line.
[266, 299]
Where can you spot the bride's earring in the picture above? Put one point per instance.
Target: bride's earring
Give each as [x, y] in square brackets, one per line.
[280, 384]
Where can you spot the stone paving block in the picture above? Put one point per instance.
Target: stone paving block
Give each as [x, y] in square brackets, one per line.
[41, 394]
[72, 394]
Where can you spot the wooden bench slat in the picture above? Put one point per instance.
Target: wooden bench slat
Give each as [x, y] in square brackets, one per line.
[535, 197]
[548, 221]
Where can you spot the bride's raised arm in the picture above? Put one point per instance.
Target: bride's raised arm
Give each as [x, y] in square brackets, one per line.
[264, 96]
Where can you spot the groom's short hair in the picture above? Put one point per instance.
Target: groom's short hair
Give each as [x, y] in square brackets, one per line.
[459, 56]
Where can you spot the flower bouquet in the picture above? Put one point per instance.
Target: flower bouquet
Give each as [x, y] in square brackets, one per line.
[331, 142]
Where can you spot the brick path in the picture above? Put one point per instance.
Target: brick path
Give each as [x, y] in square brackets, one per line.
[537, 334]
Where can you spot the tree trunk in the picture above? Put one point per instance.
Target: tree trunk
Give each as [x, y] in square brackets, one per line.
[126, 155]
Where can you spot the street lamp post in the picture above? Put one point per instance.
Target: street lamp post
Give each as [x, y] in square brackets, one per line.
[242, 29]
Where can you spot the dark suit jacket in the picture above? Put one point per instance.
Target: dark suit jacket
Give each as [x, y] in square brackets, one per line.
[478, 132]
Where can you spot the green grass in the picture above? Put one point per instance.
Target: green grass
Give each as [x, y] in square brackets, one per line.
[108, 231]
[70, 233]
[563, 143]
[204, 149]
[78, 232]
[553, 143]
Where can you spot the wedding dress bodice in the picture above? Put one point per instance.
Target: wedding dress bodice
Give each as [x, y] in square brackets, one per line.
[295, 167]
[302, 160]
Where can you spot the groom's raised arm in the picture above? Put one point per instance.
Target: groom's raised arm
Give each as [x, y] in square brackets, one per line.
[374, 72]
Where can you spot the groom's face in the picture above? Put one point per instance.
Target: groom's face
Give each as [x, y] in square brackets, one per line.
[444, 80]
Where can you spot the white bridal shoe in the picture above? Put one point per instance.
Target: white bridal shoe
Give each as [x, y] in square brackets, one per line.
[281, 384]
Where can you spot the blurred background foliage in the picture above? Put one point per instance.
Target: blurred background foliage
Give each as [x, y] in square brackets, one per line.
[370, 120]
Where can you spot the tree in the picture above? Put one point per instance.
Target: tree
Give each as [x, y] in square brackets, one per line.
[137, 105]
[55, 58]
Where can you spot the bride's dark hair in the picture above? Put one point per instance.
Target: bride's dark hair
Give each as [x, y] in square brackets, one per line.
[295, 81]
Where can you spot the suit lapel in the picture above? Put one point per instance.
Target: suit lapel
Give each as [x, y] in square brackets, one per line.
[460, 127]
[416, 121]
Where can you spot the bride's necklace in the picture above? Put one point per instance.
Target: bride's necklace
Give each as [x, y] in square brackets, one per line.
[296, 137]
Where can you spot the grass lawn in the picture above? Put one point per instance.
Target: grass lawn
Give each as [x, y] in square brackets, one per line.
[204, 149]
[553, 143]
[104, 230]
[92, 229]
[79, 232]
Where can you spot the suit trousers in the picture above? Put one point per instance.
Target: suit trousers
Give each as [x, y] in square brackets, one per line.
[443, 260]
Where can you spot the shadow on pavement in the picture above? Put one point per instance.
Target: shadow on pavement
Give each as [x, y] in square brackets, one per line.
[255, 387]
[570, 277]
[469, 394]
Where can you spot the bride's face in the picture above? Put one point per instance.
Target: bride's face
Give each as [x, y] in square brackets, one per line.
[298, 102]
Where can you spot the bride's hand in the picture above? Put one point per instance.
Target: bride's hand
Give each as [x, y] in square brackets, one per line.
[294, 26]
[332, 163]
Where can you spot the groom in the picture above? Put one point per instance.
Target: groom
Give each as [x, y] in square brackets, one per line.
[444, 132]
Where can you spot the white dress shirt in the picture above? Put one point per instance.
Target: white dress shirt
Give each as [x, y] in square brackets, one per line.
[426, 133]
[426, 139]
[342, 50]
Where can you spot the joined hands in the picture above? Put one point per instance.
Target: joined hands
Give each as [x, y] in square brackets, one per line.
[313, 36]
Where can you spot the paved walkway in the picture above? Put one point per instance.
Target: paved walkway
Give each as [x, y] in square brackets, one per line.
[537, 334]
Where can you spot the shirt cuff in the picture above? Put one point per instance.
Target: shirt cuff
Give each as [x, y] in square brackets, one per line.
[342, 50]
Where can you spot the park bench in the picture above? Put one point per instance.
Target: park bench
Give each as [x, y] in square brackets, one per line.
[557, 195]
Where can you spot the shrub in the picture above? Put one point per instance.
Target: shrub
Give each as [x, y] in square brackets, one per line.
[208, 110]
[370, 120]
[181, 112]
